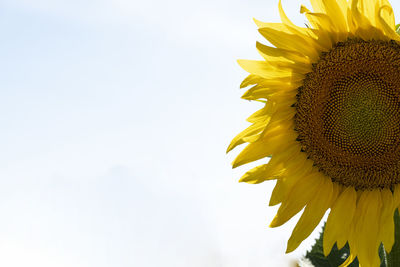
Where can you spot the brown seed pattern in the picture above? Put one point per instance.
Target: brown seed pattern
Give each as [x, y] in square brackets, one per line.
[348, 114]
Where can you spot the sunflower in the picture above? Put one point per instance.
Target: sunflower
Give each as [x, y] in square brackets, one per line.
[330, 125]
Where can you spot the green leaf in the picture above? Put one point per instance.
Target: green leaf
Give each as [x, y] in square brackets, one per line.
[393, 258]
[383, 256]
[398, 28]
[334, 259]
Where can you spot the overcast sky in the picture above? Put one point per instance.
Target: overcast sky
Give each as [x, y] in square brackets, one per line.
[115, 117]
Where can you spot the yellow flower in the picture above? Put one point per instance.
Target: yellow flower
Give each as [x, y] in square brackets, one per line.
[330, 125]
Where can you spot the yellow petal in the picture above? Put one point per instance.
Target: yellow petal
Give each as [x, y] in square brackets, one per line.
[284, 103]
[326, 28]
[278, 193]
[337, 189]
[352, 240]
[305, 33]
[367, 227]
[260, 174]
[295, 171]
[278, 52]
[386, 232]
[283, 115]
[281, 95]
[282, 122]
[344, 7]
[335, 12]
[343, 236]
[318, 6]
[265, 147]
[257, 92]
[264, 113]
[300, 195]
[250, 80]
[321, 21]
[283, 63]
[358, 17]
[289, 41]
[312, 215]
[274, 168]
[387, 13]
[371, 34]
[388, 29]
[340, 218]
[305, 10]
[367, 8]
[396, 196]
[283, 16]
[284, 157]
[323, 28]
[253, 129]
[267, 71]
[280, 84]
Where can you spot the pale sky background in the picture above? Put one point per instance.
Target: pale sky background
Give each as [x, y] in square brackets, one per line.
[115, 116]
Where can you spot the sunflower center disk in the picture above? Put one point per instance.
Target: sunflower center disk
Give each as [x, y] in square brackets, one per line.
[348, 114]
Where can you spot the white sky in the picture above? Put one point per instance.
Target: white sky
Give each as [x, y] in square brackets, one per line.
[115, 118]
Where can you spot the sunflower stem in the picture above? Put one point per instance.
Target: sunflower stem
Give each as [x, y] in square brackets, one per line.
[393, 258]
